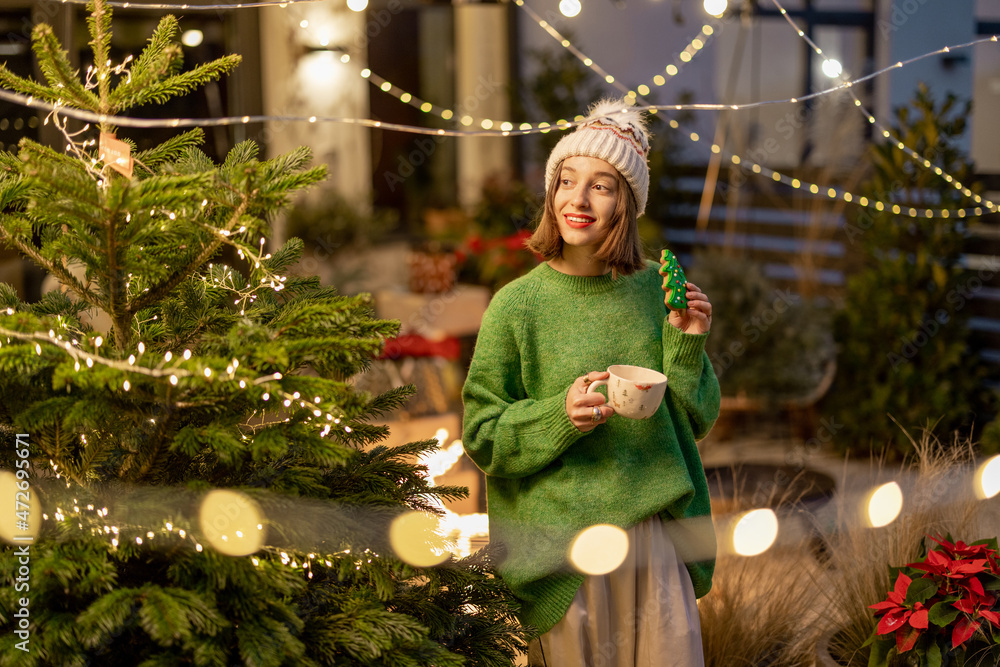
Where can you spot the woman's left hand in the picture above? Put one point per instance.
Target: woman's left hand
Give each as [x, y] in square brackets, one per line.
[697, 317]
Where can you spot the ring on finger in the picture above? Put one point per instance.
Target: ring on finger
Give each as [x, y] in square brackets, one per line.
[597, 415]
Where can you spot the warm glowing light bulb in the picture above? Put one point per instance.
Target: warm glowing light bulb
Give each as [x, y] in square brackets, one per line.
[224, 513]
[755, 532]
[599, 549]
[832, 68]
[716, 7]
[884, 504]
[988, 478]
[192, 38]
[357, 5]
[20, 524]
[415, 539]
[570, 8]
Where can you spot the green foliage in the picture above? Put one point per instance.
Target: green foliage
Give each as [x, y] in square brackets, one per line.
[219, 370]
[902, 335]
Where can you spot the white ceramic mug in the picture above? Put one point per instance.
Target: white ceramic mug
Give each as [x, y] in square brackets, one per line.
[633, 391]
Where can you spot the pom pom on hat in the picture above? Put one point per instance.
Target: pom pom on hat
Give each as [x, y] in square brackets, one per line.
[616, 133]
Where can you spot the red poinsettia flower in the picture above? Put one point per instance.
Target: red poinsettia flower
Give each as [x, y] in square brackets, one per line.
[900, 619]
[962, 551]
[957, 574]
[938, 564]
[516, 241]
[976, 606]
[964, 629]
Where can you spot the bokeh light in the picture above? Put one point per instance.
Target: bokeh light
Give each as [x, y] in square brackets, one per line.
[10, 523]
[415, 538]
[988, 478]
[570, 8]
[599, 549]
[755, 532]
[716, 7]
[884, 504]
[832, 68]
[192, 38]
[231, 522]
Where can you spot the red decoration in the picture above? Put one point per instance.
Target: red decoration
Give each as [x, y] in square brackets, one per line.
[418, 346]
[939, 604]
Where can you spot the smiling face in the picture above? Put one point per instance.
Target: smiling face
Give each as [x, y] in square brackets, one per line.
[585, 201]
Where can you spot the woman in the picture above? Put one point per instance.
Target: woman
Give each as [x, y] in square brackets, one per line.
[557, 458]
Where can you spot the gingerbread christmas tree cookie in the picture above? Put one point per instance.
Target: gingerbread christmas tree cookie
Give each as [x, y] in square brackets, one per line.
[674, 281]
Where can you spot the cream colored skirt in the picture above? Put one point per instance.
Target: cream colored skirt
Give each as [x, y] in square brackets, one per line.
[644, 614]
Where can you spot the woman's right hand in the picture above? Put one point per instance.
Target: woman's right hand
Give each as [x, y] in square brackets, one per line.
[587, 410]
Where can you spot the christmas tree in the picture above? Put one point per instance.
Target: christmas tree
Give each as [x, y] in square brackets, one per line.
[199, 483]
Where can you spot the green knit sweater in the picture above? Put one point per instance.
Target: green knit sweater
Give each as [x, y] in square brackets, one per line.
[547, 481]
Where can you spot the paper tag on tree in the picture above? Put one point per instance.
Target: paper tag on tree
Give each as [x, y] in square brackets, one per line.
[116, 154]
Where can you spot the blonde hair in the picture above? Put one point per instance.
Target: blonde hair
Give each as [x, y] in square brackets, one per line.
[622, 247]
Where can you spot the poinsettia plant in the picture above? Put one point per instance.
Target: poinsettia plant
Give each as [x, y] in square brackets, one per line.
[942, 611]
[495, 261]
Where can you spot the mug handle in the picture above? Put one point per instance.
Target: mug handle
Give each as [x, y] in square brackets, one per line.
[595, 384]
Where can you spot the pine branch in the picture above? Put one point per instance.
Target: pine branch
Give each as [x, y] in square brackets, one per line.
[170, 150]
[284, 257]
[155, 450]
[169, 191]
[54, 63]
[99, 22]
[159, 292]
[13, 190]
[56, 269]
[106, 616]
[180, 84]
[9, 297]
[27, 87]
[391, 400]
[293, 161]
[241, 153]
[160, 58]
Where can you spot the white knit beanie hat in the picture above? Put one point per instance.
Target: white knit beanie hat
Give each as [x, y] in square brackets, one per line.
[615, 133]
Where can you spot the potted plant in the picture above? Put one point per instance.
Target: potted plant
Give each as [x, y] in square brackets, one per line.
[943, 610]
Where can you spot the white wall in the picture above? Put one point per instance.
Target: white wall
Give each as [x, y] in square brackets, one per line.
[915, 27]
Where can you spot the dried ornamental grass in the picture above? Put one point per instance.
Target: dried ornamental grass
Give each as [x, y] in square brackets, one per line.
[938, 499]
[762, 609]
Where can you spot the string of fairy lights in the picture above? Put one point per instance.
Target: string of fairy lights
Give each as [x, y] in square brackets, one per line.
[415, 539]
[813, 188]
[506, 128]
[886, 133]
[119, 533]
[121, 4]
[693, 47]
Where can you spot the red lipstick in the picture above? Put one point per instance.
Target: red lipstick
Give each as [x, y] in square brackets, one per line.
[580, 222]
